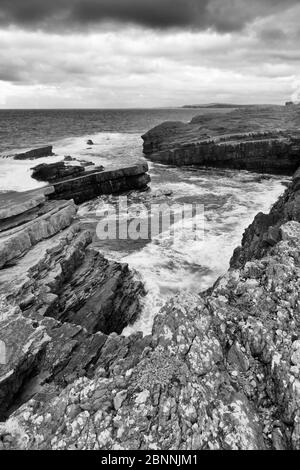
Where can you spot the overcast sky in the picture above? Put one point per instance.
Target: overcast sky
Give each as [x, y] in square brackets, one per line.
[148, 53]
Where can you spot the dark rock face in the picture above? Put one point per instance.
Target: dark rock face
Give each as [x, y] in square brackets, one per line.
[243, 139]
[35, 153]
[55, 171]
[95, 183]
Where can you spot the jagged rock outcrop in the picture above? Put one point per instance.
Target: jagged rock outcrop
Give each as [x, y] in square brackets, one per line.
[59, 299]
[260, 139]
[95, 183]
[265, 232]
[35, 153]
[221, 370]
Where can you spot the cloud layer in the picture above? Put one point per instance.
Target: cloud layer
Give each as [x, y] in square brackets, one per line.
[220, 50]
[221, 15]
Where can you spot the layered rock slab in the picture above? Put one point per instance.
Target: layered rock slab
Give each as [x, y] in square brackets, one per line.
[95, 183]
[259, 139]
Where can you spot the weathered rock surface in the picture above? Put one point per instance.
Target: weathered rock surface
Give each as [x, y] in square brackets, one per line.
[95, 183]
[221, 370]
[35, 153]
[14, 204]
[257, 139]
[18, 240]
[25, 344]
[59, 300]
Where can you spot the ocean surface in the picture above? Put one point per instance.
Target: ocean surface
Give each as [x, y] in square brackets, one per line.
[230, 198]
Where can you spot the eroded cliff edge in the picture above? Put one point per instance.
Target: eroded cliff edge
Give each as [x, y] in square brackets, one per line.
[221, 369]
[260, 139]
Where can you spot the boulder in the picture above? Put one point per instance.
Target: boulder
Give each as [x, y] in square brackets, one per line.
[90, 142]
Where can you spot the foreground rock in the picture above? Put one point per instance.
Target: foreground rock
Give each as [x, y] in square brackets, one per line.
[35, 153]
[261, 139]
[221, 370]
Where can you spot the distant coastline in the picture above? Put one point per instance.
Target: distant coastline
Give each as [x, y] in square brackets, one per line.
[224, 105]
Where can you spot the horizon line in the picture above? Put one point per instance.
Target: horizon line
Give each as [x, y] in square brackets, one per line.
[185, 106]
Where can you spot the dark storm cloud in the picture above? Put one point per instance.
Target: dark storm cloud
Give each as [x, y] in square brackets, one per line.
[223, 15]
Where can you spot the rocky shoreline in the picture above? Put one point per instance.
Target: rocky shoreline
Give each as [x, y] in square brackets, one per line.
[221, 369]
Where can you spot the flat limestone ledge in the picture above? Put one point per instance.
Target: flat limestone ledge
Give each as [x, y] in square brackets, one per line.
[94, 184]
